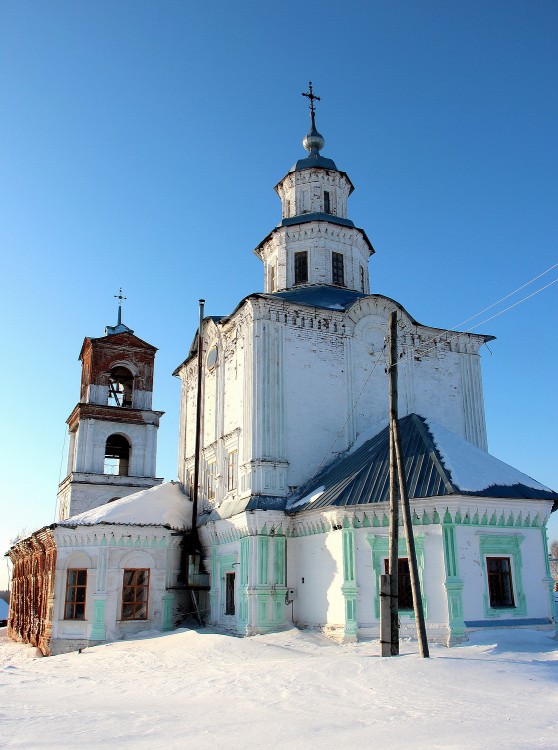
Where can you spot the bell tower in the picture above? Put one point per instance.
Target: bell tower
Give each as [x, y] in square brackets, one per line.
[315, 243]
[113, 429]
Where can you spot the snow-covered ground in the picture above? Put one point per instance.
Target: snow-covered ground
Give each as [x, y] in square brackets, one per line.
[204, 689]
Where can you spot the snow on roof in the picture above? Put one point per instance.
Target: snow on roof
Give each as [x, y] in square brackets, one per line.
[471, 468]
[163, 505]
[437, 463]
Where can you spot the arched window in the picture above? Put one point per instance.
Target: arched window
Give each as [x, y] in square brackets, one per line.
[117, 456]
[121, 387]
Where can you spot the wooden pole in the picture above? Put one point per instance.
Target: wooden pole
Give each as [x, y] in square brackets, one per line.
[411, 551]
[393, 493]
[190, 541]
[385, 616]
[197, 449]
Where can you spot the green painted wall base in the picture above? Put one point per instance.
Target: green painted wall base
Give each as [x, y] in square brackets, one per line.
[168, 600]
[98, 630]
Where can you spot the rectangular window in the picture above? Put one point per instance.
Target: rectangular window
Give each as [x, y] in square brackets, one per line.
[210, 480]
[135, 594]
[327, 205]
[361, 279]
[301, 268]
[405, 588]
[229, 594]
[337, 271]
[232, 470]
[76, 587]
[500, 588]
[272, 279]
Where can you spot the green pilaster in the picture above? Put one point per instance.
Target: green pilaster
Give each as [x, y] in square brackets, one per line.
[270, 588]
[215, 584]
[349, 587]
[243, 582]
[98, 631]
[453, 585]
[279, 561]
[263, 560]
[168, 600]
[549, 578]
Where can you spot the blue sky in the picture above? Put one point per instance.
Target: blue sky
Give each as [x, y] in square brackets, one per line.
[140, 145]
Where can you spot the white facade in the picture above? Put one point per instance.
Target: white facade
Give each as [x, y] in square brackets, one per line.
[296, 377]
[295, 385]
[106, 552]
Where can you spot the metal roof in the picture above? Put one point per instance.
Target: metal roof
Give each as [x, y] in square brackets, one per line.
[362, 477]
[314, 161]
[292, 221]
[319, 295]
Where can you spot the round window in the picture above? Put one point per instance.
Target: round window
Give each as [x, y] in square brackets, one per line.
[212, 358]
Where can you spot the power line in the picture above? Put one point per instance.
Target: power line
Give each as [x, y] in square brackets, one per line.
[515, 304]
[519, 288]
[496, 315]
[507, 296]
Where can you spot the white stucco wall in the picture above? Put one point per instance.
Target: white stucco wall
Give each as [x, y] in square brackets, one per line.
[106, 552]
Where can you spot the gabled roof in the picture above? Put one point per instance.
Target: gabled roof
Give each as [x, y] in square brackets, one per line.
[118, 339]
[437, 463]
[163, 505]
[319, 295]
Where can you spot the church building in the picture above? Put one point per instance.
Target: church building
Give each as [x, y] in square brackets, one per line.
[293, 464]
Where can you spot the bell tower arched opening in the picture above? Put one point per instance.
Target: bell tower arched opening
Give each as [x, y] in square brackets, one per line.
[121, 387]
[117, 456]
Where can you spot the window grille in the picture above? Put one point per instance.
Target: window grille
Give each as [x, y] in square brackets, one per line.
[337, 270]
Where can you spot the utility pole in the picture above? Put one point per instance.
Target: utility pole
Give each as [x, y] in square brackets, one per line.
[395, 447]
[393, 569]
[197, 449]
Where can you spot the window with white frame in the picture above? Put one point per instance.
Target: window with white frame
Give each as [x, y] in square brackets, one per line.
[232, 470]
[210, 472]
[135, 594]
[337, 269]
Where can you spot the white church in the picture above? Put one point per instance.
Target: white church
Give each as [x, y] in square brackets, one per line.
[293, 474]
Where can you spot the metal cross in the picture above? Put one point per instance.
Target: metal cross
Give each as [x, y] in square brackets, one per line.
[119, 296]
[310, 94]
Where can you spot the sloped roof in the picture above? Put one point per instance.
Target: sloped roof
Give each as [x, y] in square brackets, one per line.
[437, 463]
[319, 295]
[163, 505]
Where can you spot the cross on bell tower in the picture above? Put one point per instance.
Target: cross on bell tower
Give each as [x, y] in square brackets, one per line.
[312, 97]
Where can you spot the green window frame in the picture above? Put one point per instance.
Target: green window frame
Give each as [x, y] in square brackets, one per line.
[499, 546]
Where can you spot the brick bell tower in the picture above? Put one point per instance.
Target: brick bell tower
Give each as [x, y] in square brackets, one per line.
[113, 429]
